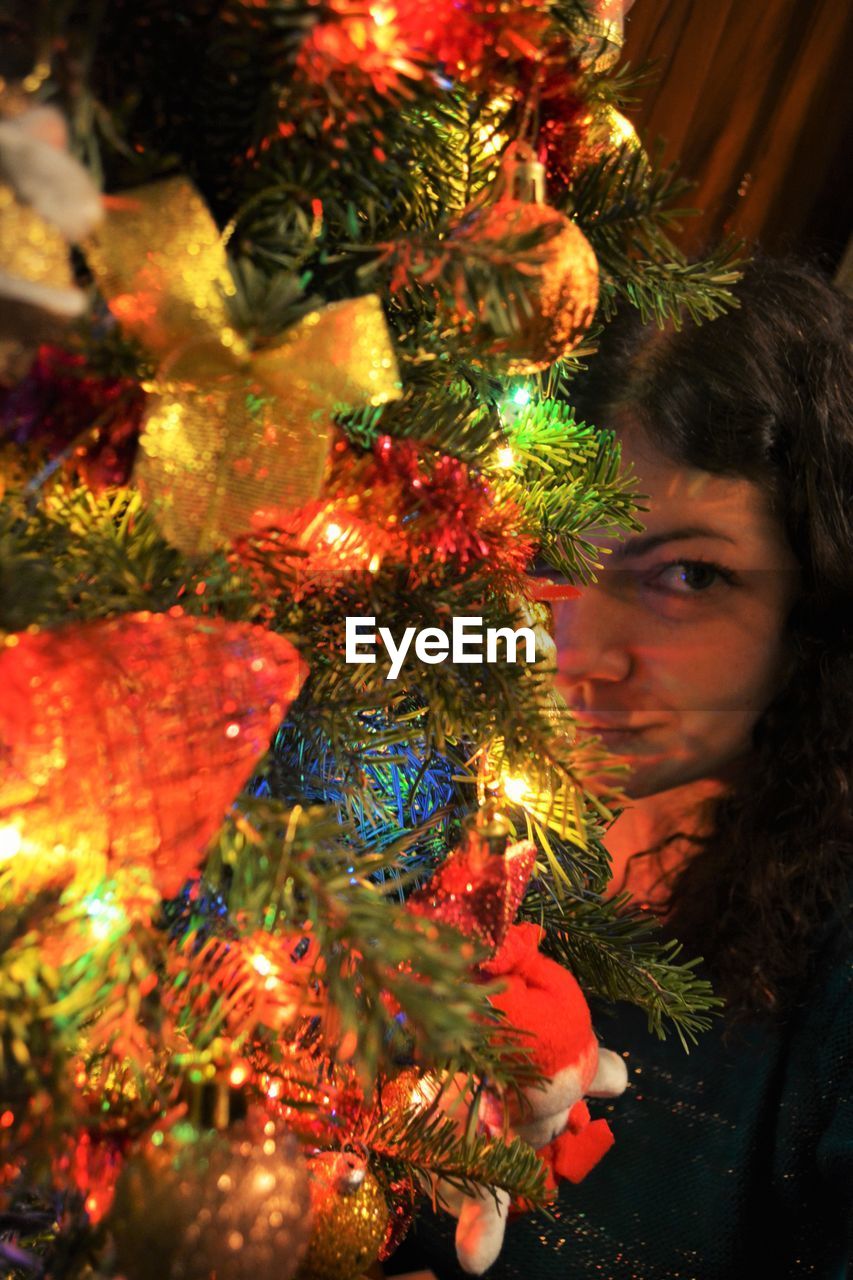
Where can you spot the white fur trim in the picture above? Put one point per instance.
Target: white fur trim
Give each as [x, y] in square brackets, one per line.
[480, 1230]
[611, 1076]
[53, 182]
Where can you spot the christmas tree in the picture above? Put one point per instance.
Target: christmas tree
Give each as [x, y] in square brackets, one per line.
[291, 299]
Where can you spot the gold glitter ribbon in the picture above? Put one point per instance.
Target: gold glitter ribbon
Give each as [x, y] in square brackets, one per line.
[602, 34]
[32, 250]
[231, 430]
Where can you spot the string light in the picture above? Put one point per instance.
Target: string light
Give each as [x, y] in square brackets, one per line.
[10, 842]
[239, 1075]
[262, 964]
[514, 405]
[381, 14]
[506, 457]
[516, 789]
[104, 915]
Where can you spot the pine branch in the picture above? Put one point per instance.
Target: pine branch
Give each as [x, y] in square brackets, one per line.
[429, 1145]
[283, 871]
[626, 205]
[616, 952]
[89, 556]
[567, 477]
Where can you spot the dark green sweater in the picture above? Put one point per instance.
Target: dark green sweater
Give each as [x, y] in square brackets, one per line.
[733, 1161]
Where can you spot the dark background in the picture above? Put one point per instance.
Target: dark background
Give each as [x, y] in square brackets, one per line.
[754, 99]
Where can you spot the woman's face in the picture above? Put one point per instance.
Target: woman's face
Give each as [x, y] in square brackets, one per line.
[675, 652]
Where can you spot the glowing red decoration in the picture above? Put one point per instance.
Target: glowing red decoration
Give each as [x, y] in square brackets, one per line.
[116, 736]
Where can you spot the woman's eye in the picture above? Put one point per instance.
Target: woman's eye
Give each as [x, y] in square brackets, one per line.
[686, 577]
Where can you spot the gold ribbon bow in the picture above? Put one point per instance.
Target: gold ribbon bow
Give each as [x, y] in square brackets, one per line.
[231, 430]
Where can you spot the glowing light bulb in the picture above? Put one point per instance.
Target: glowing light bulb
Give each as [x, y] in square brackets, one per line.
[506, 457]
[10, 842]
[622, 130]
[512, 407]
[333, 531]
[103, 915]
[516, 789]
[261, 964]
[239, 1074]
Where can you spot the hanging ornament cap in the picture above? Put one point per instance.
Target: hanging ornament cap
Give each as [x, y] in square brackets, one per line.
[352, 1174]
[213, 1102]
[488, 831]
[525, 174]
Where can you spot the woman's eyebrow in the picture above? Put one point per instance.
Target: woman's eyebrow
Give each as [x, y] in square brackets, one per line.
[649, 542]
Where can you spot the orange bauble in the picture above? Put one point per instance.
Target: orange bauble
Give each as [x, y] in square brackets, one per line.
[563, 290]
[127, 739]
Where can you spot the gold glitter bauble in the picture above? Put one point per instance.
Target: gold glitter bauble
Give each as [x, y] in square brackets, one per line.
[350, 1218]
[38, 297]
[564, 299]
[235, 1205]
[404, 1092]
[605, 131]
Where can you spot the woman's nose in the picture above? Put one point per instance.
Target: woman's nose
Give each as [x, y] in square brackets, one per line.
[592, 635]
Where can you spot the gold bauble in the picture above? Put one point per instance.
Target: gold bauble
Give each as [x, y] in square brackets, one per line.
[38, 297]
[407, 1090]
[349, 1218]
[605, 131]
[564, 297]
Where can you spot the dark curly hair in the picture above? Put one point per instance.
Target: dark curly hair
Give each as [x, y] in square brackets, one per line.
[764, 392]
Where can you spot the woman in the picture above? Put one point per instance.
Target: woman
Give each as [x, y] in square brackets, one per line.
[716, 655]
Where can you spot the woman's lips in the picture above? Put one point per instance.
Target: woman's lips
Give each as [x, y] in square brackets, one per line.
[621, 739]
[610, 726]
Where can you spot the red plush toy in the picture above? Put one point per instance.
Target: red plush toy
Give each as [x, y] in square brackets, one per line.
[545, 1005]
[479, 892]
